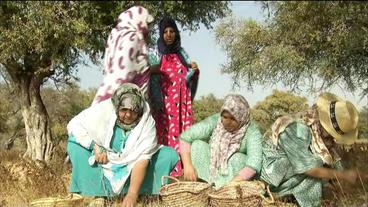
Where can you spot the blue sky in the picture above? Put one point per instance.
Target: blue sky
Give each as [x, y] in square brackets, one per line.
[202, 48]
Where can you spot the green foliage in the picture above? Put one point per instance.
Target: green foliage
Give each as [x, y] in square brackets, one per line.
[11, 125]
[299, 45]
[363, 123]
[61, 31]
[206, 106]
[63, 105]
[42, 40]
[277, 104]
[9, 109]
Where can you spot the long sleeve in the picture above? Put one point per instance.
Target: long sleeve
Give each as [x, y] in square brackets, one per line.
[201, 130]
[192, 75]
[93, 124]
[295, 142]
[252, 146]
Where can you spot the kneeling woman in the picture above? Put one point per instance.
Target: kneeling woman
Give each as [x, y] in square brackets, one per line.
[113, 148]
[224, 147]
[300, 152]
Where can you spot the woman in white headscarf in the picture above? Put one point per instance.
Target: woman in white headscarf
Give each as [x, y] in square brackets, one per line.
[126, 53]
[114, 151]
[224, 147]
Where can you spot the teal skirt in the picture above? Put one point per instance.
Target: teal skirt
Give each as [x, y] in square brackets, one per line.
[90, 181]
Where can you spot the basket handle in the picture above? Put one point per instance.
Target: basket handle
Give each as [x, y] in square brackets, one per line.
[272, 199]
[168, 177]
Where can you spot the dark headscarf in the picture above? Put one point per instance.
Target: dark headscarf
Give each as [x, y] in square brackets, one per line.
[128, 96]
[176, 45]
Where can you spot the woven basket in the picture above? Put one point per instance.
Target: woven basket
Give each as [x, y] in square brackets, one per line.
[244, 193]
[71, 200]
[183, 193]
[278, 204]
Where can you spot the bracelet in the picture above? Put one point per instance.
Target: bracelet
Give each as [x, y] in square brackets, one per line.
[101, 149]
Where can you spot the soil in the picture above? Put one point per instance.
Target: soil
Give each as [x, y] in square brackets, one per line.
[23, 180]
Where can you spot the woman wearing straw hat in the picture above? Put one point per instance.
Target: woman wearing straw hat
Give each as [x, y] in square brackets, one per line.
[300, 152]
[114, 151]
[224, 147]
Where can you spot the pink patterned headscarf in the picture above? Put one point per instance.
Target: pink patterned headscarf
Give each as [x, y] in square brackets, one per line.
[224, 143]
[126, 53]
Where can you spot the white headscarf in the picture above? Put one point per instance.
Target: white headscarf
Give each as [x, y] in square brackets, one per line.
[126, 53]
[97, 122]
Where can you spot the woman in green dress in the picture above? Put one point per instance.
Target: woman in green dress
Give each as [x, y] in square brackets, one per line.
[224, 147]
[113, 148]
[300, 151]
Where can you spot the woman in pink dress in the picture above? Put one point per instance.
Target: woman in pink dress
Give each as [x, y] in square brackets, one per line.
[178, 78]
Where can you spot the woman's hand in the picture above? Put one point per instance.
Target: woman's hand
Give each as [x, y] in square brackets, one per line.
[130, 200]
[194, 65]
[100, 154]
[237, 178]
[190, 173]
[349, 176]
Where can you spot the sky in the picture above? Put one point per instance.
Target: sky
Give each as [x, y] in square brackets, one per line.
[202, 48]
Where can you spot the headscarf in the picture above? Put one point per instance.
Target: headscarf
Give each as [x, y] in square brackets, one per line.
[224, 143]
[310, 118]
[128, 96]
[126, 53]
[176, 45]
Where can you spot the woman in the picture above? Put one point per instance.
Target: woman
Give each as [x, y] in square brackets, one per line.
[300, 151]
[126, 53]
[170, 95]
[224, 147]
[113, 148]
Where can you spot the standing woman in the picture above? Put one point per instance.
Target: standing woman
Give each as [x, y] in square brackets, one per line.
[173, 84]
[126, 54]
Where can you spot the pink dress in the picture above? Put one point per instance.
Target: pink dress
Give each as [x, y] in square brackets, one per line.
[177, 114]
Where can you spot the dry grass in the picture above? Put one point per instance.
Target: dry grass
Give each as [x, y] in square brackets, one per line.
[23, 181]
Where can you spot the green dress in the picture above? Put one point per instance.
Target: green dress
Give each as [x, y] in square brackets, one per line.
[249, 154]
[89, 180]
[284, 166]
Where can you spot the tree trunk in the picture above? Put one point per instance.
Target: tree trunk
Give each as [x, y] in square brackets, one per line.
[36, 120]
[27, 76]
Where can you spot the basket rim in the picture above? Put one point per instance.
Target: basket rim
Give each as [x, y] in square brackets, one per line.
[57, 200]
[202, 187]
[163, 188]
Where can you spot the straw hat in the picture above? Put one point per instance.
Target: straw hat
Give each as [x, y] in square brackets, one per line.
[338, 117]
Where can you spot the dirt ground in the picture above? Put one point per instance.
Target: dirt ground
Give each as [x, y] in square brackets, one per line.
[23, 181]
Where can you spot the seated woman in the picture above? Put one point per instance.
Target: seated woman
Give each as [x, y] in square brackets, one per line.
[300, 151]
[113, 148]
[224, 147]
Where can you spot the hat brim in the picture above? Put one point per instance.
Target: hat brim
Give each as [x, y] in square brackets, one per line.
[323, 105]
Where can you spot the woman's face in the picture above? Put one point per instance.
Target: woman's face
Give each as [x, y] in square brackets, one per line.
[169, 35]
[127, 116]
[229, 122]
